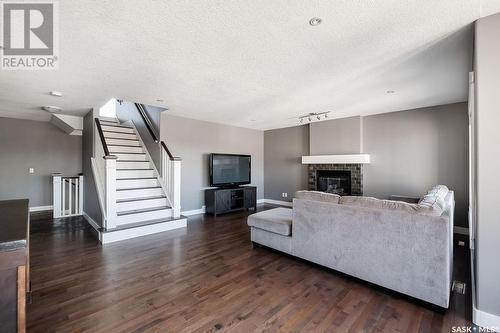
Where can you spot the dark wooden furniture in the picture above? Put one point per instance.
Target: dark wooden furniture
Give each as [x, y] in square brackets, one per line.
[225, 200]
[14, 264]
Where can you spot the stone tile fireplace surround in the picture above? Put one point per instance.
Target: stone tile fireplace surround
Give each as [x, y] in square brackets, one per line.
[356, 171]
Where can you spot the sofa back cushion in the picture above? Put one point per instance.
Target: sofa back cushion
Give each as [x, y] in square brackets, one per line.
[370, 202]
[401, 206]
[317, 196]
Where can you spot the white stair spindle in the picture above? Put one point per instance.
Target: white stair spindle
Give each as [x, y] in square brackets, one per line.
[63, 197]
[80, 195]
[75, 196]
[70, 196]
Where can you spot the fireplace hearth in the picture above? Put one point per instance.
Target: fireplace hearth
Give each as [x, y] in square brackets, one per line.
[334, 181]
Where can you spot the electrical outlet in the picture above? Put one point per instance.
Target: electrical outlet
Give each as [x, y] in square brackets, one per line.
[31, 170]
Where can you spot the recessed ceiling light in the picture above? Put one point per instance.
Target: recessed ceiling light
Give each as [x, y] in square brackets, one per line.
[56, 93]
[51, 109]
[390, 91]
[315, 21]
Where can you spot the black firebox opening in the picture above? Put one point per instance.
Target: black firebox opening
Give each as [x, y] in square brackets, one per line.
[334, 181]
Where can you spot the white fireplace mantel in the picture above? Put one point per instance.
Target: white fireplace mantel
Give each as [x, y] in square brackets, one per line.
[337, 159]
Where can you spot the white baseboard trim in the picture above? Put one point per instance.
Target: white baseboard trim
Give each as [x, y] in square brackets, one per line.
[194, 211]
[40, 208]
[91, 221]
[260, 201]
[278, 202]
[119, 235]
[485, 319]
[461, 230]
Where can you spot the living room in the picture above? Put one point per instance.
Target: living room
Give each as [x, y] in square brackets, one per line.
[250, 167]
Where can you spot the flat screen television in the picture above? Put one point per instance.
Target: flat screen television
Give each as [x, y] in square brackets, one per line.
[229, 170]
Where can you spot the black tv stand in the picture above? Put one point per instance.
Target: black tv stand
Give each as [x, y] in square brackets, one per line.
[225, 200]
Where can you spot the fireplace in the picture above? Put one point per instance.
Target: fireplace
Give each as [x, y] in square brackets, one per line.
[348, 177]
[334, 181]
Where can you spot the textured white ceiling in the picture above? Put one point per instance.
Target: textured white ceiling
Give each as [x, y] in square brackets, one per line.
[256, 64]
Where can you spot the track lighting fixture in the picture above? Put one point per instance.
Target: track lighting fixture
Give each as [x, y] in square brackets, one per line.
[312, 115]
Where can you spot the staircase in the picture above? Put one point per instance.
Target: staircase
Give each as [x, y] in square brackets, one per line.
[136, 199]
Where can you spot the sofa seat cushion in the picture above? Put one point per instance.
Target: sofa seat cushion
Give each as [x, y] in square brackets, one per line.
[317, 196]
[277, 220]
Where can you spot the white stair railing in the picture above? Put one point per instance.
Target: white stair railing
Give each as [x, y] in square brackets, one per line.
[171, 177]
[68, 195]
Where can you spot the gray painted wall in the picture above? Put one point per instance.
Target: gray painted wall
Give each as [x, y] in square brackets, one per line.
[283, 171]
[41, 145]
[193, 140]
[410, 151]
[487, 69]
[413, 150]
[340, 136]
[91, 201]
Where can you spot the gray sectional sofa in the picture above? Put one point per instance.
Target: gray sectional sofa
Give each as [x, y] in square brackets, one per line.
[401, 246]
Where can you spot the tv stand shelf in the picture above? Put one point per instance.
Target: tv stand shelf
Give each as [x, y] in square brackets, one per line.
[226, 200]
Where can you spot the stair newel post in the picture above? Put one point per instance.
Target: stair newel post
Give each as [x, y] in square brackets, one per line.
[80, 195]
[176, 187]
[110, 183]
[57, 200]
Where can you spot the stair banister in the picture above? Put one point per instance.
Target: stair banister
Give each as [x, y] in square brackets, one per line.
[147, 121]
[109, 182]
[101, 135]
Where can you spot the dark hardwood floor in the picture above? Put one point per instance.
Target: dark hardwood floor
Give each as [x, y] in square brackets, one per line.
[208, 278]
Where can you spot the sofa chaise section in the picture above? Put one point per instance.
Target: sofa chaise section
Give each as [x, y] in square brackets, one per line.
[272, 228]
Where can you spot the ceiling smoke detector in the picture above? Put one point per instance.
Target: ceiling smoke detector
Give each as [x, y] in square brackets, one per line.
[315, 21]
[51, 109]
